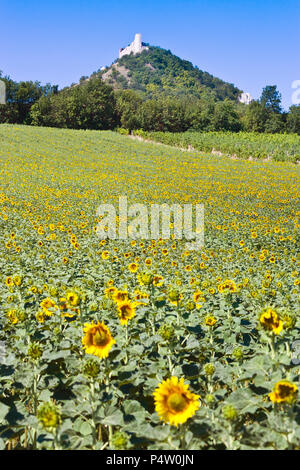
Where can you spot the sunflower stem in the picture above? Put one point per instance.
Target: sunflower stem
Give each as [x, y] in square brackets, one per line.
[92, 401]
[35, 403]
[273, 347]
[126, 344]
[170, 365]
[110, 434]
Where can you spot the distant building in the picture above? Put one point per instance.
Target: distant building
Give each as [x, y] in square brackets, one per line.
[136, 47]
[245, 98]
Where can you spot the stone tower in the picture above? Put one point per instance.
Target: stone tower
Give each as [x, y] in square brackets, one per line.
[136, 47]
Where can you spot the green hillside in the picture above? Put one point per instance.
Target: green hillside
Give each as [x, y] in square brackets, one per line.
[158, 71]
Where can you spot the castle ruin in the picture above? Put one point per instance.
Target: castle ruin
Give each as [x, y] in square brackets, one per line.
[245, 98]
[136, 47]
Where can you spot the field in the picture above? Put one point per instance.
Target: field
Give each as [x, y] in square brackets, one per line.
[142, 344]
[247, 145]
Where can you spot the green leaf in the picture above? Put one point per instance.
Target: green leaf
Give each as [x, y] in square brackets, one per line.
[4, 409]
[114, 419]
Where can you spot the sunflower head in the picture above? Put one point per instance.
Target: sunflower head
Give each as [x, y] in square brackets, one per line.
[174, 295]
[73, 299]
[133, 267]
[227, 287]
[158, 280]
[284, 392]
[48, 305]
[270, 321]
[126, 311]
[210, 320]
[197, 296]
[97, 339]
[174, 402]
[120, 296]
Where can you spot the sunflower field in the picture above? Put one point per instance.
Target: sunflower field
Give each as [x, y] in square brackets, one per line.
[247, 145]
[143, 344]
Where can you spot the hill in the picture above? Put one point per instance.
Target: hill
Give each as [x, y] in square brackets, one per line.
[157, 71]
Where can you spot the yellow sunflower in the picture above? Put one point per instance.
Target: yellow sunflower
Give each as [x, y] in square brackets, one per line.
[48, 304]
[270, 321]
[9, 281]
[73, 299]
[120, 296]
[105, 254]
[227, 286]
[174, 402]
[197, 296]
[126, 311]
[210, 320]
[110, 291]
[12, 316]
[133, 267]
[97, 339]
[158, 280]
[284, 392]
[141, 297]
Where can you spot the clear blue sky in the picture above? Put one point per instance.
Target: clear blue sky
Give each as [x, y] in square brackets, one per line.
[249, 43]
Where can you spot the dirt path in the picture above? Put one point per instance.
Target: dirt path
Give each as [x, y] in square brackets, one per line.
[141, 139]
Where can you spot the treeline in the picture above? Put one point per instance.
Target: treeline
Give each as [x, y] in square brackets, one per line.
[96, 105]
[20, 97]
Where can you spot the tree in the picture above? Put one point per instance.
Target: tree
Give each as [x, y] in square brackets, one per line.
[275, 123]
[128, 103]
[293, 119]
[255, 117]
[271, 99]
[91, 105]
[20, 98]
[226, 117]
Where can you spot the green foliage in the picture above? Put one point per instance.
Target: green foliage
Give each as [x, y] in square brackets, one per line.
[271, 99]
[88, 106]
[293, 119]
[242, 144]
[255, 117]
[128, 104]
[20, 98]
[158, 71]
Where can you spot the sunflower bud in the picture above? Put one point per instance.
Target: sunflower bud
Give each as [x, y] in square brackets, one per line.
[166, 331]
[190, 306]
[238, 354]
[229, 412]
[53, 292]
[120, 441]
[91, 368]
[210, 399]
[289, 321]
[35, 351]
[49, 415]
[209, 369]
[146, 278]
[173, 295]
